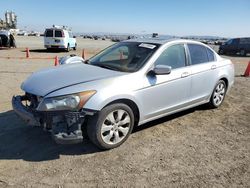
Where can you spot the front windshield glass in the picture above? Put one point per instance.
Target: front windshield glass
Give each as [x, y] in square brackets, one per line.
[229, 42]
[124, 56]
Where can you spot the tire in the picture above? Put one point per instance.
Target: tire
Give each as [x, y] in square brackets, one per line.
[221, 52]
[68, 48]
[75, 47]
[243, 52]
[111, 127]
[218, 94]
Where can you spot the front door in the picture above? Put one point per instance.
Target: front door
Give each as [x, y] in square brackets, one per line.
[167, 93]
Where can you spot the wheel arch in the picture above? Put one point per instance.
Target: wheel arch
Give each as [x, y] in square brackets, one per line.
[134, 107]
[225, 80]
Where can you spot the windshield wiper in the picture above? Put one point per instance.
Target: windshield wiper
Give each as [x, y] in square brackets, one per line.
[86, 61]
[107, 67]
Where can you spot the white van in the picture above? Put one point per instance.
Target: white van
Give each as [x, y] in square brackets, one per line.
[59, 37]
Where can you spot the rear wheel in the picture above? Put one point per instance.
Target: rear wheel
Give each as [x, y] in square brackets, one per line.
[242, 52]
[218, 94]
[111, 127]
[68, 48]
[75, 47]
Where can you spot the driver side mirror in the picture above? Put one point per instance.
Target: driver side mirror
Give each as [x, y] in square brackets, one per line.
[162, 69]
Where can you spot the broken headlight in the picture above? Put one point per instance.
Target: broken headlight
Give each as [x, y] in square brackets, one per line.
[66, 102]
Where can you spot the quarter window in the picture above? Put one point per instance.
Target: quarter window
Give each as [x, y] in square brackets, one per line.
[198, 54]
[173, 56]
[210, 55]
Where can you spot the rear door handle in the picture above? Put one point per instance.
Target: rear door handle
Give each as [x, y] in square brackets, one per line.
[213, 67]
[184, 74]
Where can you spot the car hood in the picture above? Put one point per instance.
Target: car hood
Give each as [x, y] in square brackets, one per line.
[48, 80]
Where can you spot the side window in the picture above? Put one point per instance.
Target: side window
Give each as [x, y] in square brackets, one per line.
[198, 54]
[120, 53]
[173, 56]
[245, 41]
[210, 54]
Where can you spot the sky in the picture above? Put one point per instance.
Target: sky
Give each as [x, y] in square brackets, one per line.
[225, 18]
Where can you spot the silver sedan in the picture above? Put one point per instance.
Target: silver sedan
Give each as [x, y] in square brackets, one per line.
[126, 85]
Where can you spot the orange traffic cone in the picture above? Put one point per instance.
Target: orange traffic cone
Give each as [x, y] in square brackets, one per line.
[83, 53]
[27, 53]
[56, 61]
[247, 72]
[121, 55]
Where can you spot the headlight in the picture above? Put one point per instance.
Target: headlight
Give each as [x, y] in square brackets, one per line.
[66, 102]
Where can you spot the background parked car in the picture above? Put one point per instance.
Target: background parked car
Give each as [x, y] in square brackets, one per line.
[59, 37]
[236, 45]
[7, 39]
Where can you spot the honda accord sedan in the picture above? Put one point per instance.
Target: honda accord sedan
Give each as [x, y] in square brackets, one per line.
[125, 85]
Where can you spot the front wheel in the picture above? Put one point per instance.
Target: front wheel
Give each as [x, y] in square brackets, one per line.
[111, 127]
[218, 94]
[221, 52]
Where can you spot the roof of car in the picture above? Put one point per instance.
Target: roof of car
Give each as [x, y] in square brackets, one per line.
[4, 32]
[158, 40]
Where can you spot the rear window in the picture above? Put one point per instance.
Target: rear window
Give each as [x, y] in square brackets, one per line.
[198, 54]
[58, 33]
[245, 41]
[49, 33]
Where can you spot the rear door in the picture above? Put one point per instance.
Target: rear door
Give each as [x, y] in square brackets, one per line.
[59, 38]
[204, 72]
[245, 44]
[48, 37]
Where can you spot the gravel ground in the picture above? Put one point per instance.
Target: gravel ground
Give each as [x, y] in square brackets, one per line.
[194, 148]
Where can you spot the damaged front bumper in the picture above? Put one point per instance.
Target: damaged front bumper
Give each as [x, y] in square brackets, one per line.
[65, 126]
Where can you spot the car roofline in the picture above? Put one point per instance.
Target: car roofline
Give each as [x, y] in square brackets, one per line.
[162, 41]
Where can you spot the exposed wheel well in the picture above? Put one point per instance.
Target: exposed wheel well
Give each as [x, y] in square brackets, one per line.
[225, 80]
[132, 105]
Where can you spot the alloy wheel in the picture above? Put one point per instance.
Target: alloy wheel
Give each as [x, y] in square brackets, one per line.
[115, 126]
[219, 94]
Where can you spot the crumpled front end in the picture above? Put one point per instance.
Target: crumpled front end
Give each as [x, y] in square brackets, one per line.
[65, 126]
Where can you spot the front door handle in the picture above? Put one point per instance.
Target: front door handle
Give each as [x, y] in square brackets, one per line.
[184, 74]
[213, 67]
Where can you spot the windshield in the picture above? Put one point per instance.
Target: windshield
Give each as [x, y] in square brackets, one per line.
[124, 56]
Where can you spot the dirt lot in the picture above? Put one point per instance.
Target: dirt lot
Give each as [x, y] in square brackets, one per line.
[195, 148]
